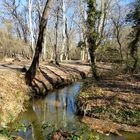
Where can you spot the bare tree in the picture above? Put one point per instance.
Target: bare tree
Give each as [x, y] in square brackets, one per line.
[118, 22]
[63, 30]
[30, 74]
[56, 36]
[11, 8]
[30, 25]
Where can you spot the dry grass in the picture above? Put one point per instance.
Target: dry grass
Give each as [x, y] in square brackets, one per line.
[3, 138]
[13, 93]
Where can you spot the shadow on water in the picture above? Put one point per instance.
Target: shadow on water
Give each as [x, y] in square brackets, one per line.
[57, 109]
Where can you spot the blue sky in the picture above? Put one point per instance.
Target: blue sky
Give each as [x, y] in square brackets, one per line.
[126, 1]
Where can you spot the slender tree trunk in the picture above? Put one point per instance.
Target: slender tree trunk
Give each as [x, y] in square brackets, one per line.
[63, 31]
[120, 46]
[82, 32]
[102, 18]
[84, 28]
[45, 46]
[18, 33]
[56, 37]
[30, 74]
[91, 35]
[30, 27]
[67, 41]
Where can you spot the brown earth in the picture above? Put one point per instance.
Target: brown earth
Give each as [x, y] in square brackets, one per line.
[14, 92]
[50, 76]
[108, 126]
[113, 101]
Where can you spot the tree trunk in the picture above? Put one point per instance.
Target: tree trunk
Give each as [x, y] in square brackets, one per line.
[45, 46]
[30, 27]
[67, 41]
[134, 49]
[91, 35]
[56, 37]
[63, 31]
[30, 74]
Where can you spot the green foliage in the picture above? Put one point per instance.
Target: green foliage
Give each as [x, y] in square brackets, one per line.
[81, 44]
[20, 127]
[46, 126]
[75, 137]
[93, 137]
[5, 132]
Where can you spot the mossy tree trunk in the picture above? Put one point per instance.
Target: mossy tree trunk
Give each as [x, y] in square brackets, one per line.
[30, 74]
[134, 49]
[134, 18]
[91, 34]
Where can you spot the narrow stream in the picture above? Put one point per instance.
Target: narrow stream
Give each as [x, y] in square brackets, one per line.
[57, 110]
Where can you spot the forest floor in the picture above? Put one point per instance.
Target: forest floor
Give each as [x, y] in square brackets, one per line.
[114, 100]
[14, 91]
[112, 104]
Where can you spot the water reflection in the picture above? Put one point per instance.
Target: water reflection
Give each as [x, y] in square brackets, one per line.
[30, 118]
[56, 109]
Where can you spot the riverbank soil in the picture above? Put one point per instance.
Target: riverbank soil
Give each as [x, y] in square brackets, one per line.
[14, 91]
[112, 104]
[50, 76]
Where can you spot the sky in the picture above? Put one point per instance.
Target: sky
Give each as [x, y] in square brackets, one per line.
[125, 2]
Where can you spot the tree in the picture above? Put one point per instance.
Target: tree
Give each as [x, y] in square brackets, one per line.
[30, 74]
[12, 9]
[30, 25]
[63, 30]
[92, 34]
[118, 21]
[56, 36]
[83, 40]
[134, 18]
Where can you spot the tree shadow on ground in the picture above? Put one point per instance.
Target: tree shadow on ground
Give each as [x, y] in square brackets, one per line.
[9, 66]
[55, 80]
[59, 77]
[70, 70]
[119, 86]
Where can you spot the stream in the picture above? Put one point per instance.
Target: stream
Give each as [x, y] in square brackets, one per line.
[57, 111]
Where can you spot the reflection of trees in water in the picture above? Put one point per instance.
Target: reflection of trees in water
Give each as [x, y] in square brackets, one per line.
[56, 109]
[57, 104]
[70, 99]
[64, 106]
[36, 125]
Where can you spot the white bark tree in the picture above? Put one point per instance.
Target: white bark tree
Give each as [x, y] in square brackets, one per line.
[63, 30]
[30, 26]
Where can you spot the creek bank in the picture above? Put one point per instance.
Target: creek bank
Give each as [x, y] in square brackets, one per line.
[112, 104]
[51, 77]
[14, 92]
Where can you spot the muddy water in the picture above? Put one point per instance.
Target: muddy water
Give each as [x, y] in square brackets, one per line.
[57, 111]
